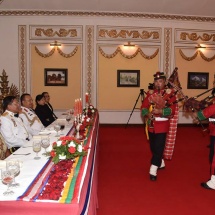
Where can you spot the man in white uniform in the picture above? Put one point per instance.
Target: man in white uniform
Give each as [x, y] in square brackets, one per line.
[29, 117]
[12, 127]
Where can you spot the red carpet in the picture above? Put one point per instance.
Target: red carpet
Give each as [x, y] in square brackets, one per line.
[124, 186]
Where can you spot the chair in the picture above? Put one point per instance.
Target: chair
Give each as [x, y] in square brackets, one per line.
[4, 152]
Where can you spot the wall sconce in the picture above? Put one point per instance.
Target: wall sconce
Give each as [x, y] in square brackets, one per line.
[55, 43]
[199, 46]
[129, 44]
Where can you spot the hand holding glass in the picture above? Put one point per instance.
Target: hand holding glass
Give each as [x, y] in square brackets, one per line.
[14, 168]
[37, 148]
[7, 178]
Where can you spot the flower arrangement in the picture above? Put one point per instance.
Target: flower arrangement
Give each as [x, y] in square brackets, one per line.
[67, 148]
[89, 110]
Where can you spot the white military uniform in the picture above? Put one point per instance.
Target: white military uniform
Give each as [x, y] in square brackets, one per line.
[31, 120]
[13, 130]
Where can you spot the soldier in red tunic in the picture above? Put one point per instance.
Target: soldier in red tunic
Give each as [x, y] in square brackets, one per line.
[157, 108]
[209, 113]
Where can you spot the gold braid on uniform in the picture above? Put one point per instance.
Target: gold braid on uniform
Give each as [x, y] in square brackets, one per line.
[31, 121]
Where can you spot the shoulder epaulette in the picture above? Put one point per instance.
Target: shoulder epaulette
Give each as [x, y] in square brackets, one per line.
[5, 114]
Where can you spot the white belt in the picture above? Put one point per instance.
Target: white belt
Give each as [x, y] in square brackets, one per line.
[211, 120]
[160, 119]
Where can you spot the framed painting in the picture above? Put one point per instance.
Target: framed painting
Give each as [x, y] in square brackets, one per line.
[55, 77]
[128, 78]
[197, 80]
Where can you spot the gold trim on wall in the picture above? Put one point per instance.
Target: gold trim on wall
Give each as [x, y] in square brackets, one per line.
[195, 37]
[52, 33]
[22, 58]
[59, 51]
[113, 33]
[89, 61]
[195, 55]
[106, 14]
[119, 50]
[167, 49]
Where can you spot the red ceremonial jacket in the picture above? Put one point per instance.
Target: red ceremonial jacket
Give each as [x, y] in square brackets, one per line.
[168, 111]
[208, 112]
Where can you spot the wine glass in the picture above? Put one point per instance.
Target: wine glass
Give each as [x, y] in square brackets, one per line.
[14, 167]
[37, 148]
[62, 126]
[45, 143]
[68, 118]
[57, 128]
[7, 178]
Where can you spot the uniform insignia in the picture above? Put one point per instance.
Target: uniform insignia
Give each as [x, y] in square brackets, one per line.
[5, 114]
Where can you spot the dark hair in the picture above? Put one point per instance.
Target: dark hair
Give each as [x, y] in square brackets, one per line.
[43, 93]
[7, 101]
[22, 98]
[38, 98]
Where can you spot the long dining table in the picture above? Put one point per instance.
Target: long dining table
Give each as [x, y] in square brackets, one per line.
[83, 198]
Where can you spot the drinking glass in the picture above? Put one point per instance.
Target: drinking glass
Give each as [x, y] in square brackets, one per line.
[68, 118]
[45, 143]
[37, 148]
[62, 126]
[14, 168]
[7, 178]
[57, 128]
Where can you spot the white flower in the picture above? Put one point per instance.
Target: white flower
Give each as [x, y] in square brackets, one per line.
[92, 111]
[59, 143]
[62, 157]
[71, 144]
[79, 148]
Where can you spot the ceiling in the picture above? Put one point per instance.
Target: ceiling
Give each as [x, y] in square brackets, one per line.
[202, 8]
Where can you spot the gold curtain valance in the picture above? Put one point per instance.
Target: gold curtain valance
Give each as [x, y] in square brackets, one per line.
[51, 52]
[119, 50]
[208, 59]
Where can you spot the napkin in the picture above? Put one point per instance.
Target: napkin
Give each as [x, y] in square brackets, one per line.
[2, 164]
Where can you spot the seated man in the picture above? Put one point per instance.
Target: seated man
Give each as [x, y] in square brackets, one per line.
[12, 128]
[29, 117]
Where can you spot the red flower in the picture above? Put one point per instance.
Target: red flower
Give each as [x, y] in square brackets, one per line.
[52, 153]
[72, 150]
[54, 144]
[63, 142]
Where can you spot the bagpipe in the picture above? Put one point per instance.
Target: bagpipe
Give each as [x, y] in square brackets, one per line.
[172, 89]
[195, 105]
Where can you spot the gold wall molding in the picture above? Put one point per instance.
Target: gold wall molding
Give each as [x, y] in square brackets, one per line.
[51, 52]
[194, 36]
[22, 58]
[52, 33]
[106, 14]
[134, 34]
[167, 49]
[208, 59]
[128, 56]
[89, 61]
[62, 32]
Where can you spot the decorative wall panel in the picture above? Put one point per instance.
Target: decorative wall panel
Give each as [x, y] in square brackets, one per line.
[61, 32]
[128, 33]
